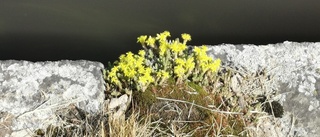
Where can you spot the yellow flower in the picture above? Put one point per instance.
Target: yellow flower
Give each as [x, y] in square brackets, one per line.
[165, 74]
[179, 71]
[204, 58]
[122, 56]
[122, 65]
[127, 58]
[159, 74]
[197, 50]
[166, 33]
[148, 70]
[214, 67]
[177, 47]
[145, 79]
[128, 72]
[150, 78]
[201, 51]
[190, 63]
[201, 54]
[142, 39]
[186, 37]
[139, 61]
[141, 70]
[183, 47]
[163, 36]
[113, 75]
[115, 80]
[151, 41]
[163, 48]
[180, 61]
[114, 69]
[142, 53]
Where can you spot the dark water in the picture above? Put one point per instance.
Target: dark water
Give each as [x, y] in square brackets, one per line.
[102, 30]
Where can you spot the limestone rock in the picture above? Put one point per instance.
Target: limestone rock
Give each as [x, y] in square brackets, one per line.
[118, 106]
[31, 93]
[295, 68]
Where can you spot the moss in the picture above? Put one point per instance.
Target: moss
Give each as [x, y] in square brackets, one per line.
[235, 126]
[273, 108]
[197, 88]
[145, 99]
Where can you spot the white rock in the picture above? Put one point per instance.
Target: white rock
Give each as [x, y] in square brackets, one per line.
[32, 92]
[296, 78]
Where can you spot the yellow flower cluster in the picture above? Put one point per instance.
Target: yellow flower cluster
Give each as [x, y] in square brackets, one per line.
[113, 75]
[162, 37]
[154, 63]
[205, 62]
[145, 76]
[183, 66]
[177, 47]
[131, 68]
[163, 74]
[142, 39]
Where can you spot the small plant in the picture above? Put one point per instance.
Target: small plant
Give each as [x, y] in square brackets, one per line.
[187, 92]
[159, 60]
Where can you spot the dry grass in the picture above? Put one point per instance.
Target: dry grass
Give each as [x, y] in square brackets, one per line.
[132, 126]
[227, 108]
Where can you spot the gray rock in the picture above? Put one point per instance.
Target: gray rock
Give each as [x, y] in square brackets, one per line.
[118, 106]
[295, 68]
[31, 93]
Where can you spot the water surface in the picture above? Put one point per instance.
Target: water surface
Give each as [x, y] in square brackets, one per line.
[102, 30]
